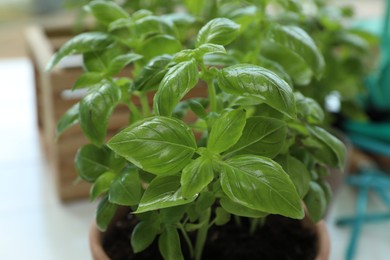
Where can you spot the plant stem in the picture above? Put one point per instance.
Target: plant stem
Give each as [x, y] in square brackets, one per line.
[202, 234]
[254, 224]
[135, 113]
[237, 219]
[212, 96]
[145, 105]
[188, 240]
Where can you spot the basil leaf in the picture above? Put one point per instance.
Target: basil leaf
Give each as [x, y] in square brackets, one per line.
[152, 73]
[260, 184]
[144, 234]
[258, 82]
[163, 192]
[84, 42]
[196, 176]
[166, 45]
[125, 189]
[240, 210]
[91, 162]
[119, 62]
[332, 152]
[221, 216]
[105, 212]
[226, 130]
[95, 110]
[178, 81]
[70, 118]
[315, 201]
[261, 136]
[220, 31]
[169, 244]
[309, 109]
[107, 11]
[101, 185]
[159, 145]
[88, 79]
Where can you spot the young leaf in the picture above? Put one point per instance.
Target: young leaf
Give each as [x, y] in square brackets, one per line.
[298, 173]
[104, 214]
[97, 61]
[310, 110]
[220, 31]
[222, 216]
[205, 200]
[333, 150]
[196, 176]
[95, 110]
[226, 130]
[70, 118]
[260, 184]
[240, 210]
[159, 145]
[263, 136]
[209, 48]
[126, 188]
[107, 11]
[179, 79]
[152, 73]
[257, 82]
[298, 41]
[163, 192]
[151, 25]
[197, 108]
[88, 79]
[92, 161]
[101, 185]
[84, 42]
[166, 45]
[169, 244]
[144, 234]
[119, 62]
[315, 201]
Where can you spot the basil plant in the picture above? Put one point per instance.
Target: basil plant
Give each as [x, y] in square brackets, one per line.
[209, 136]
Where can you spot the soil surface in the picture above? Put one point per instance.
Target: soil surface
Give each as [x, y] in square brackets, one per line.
[279, 239]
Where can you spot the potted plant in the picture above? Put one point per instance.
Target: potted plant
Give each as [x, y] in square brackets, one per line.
[191, 164]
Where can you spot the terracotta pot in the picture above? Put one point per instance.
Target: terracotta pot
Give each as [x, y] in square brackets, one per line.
[97, 251]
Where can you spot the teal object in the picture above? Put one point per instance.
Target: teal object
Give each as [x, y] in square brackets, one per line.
[372, 137]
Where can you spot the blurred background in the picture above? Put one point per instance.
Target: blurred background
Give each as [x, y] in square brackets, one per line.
[41, 215]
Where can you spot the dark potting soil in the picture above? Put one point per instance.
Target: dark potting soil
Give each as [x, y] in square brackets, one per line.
[279, 239]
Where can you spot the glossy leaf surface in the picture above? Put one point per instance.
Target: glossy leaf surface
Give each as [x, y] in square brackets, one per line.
[159, 145]
[126, 188]
[144, 234]
[152, 73]
[70, 118]
[119, 62]
[240, 210]
[104, 214]
[101, 185]
[218, 31]
[196, 176]
[261, 136]
[179, 79]
[169, 244]
[258, 82]
[260, 184]
[107, 11]
[315, 202]
[226, 130]
[163, 192]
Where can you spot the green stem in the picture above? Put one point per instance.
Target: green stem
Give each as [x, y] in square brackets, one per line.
[145, 104]
[188, 240]
[237, 219]
[135, 113]
[202, 234]
[254, 224]
[212, 96]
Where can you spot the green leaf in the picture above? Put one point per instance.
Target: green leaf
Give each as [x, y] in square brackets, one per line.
[208, 48]
[218, 31]
[197, 108]
[92, 161]
[95, 110]
[144, 234]
[221, 216]
[88, 79]
[298, 173]
[333, 151]
[226, 130]
[205, 200]
[257, 82]
[173, 215]
[298, 41]
[178, 81]
[101, 185]
[163, 192]
[196, 176]
[261, 136]
[260, 184]
[119, 62]
[97, 61]
[84, 42]
[159, 145]
[315, 201]
[126, 188]
[309, 109]
[107, 11]
[166, 45]
[151, 25]
[105, 212]
[70, 118]
[152, 73]
[169, 244]
[240, 210]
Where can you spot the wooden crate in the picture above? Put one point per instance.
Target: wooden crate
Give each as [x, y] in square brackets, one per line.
[52, 100]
